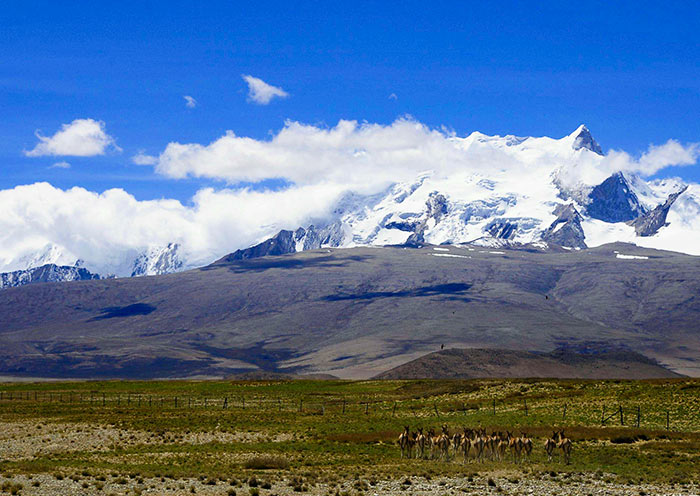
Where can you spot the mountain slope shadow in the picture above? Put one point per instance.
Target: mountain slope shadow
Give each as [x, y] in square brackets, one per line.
[452, 290]
[125, 311]
[283, 262]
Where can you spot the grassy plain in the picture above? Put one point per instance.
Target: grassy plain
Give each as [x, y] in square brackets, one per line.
[311, 432]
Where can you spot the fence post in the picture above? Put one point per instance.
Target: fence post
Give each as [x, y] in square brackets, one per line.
[437, 414]
[279, 404]
[225, 402]
[602, 416]
[243, 401]
[343, 406]
[668, 420]
[393, 412]
[622, 418]
[639, 415]
[366, 408]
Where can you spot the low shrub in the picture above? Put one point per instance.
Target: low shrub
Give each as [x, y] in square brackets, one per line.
[265, 462]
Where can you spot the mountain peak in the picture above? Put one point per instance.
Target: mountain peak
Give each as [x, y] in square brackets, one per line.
[613, 200]
[158, 260]
[584, 139]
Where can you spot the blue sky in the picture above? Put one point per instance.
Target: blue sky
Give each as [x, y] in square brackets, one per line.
[629, 70]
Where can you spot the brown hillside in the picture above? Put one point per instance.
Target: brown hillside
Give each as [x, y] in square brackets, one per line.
[492, 363]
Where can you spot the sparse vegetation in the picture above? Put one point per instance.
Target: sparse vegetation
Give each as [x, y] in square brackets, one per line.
[264, 462]
[302, 434]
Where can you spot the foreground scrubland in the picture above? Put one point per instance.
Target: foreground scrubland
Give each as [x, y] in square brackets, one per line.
[338, 437]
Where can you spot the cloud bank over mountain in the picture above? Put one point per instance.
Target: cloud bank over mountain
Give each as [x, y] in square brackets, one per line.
[110, 228]
[364, 155]
[319, 165]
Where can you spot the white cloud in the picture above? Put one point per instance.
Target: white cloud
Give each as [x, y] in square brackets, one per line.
[190, 102]
[349, 153]
[657, 157]
[653, 160]
[60, 165]
[142, 158]
[106, 228]
[262, 93]
[80, 138]
[393, 96]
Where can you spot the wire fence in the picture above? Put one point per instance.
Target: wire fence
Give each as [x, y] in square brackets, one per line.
[600, 413]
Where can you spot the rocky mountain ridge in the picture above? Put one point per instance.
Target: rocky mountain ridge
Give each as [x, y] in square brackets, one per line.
[45, 273]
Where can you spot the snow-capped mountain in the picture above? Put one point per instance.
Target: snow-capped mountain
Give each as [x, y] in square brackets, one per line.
[55, 264]
[507, 191]
[550, 199]
[45, 273]
[49, 254]
[157, 260]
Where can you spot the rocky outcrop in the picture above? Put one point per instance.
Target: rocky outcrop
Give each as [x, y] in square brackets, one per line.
[502, 229]
[280, 244]
[285, 242]
[585, 139]
[650, 223]
[566, 230]
[313, 238]
[436, 205]
[614, 201]
[45, 273]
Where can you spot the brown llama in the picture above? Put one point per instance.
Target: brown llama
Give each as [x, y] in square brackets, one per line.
[526, 445]
[514, 446]
[404, 440]
[466, 444]
[456, 443]
[549, 444]
[444, 443]
[492, 444]
[564, 444]
[479, 443]
[501, 447]
[421, 442]
[433, 443]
